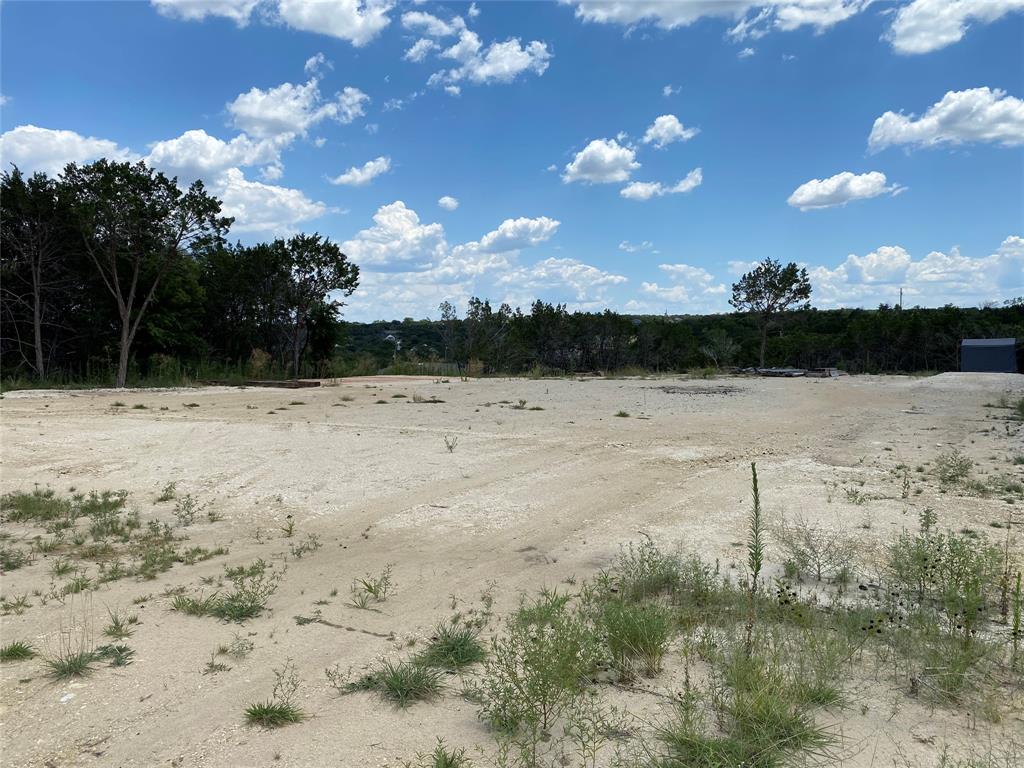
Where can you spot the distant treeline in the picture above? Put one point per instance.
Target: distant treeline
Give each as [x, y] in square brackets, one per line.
[549, 339]
[111, 273]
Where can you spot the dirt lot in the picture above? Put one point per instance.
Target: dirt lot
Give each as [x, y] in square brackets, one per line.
[526, 498]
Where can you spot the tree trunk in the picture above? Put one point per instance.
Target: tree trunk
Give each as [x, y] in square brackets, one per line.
[37, 332]
[122, 358]
[764, 340]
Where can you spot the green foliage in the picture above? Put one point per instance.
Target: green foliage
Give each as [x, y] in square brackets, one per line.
[402, 682]
[442, 757]
[537, 667]
[17, 651]
[453, 646]
[637, 635]
[280, 709]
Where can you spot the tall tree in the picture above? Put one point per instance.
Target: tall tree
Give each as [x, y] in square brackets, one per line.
[318, 269]
[769, 290]
[33, 238]
[135, 224]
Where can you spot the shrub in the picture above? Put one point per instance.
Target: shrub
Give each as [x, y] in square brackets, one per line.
[810, 548]
[537, 667]
[637, 635]
[953, 467]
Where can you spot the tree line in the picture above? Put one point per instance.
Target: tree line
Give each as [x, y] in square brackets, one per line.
[112, 269]
[112, 273]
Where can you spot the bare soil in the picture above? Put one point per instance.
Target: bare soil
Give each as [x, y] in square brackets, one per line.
[527, 498]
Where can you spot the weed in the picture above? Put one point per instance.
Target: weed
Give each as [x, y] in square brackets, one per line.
[823, 552]
[120, 626]
[953, 467]
[310, 544]
[453, 646]
[168, 493]
[17, 605]
[116, 655]
[288, 529]
[402, 682]
[450, 441]
[637, 635]
[17, 651]
[442, 757]
[186, 509]
[622, 414]
[377, 587]
[12, 558]
[280, 709]
[39, 505]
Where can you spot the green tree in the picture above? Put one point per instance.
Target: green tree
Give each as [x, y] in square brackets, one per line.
[135, 224]
[34, 236]
[318, 270]
[769, 290]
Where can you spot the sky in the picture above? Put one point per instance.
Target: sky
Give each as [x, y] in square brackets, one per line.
[636, 156]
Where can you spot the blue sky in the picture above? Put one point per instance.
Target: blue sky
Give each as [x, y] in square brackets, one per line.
[630, 155]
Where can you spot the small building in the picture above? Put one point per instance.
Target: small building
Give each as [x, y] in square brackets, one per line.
[988, 355]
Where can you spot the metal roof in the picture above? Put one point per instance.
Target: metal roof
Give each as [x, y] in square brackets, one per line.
[988, 343]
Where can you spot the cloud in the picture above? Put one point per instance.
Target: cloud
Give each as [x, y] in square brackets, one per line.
[259, 207]
[937, 278]
[841, 189]
[667, 129]
[357, 21]
[746, 53]
[42, 149]
[428, 24]
[645, 190]
[688, 285]
[418, 51]
[397, 241]
[292, 109]
[629, 247]
[453, 90]
[971, 116]
[448, 202]
[602, 161]
[928, 25]
[670, 90]
[196, 154]
[585, 281]
[238, 11]
[316, 64]
[514, 235]
[497, 63]
[783, 15]
[358, 177]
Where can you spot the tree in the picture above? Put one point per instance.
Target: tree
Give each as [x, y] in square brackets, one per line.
[34, 237]
[719, 347]
[318, 268]
[135, 223]
[769, 290]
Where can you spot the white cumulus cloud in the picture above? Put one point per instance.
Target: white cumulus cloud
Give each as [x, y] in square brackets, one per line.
[448, 202]
[645, 190]
[397, 241]
[32, 148]
[292, 109]
[196, 154]
[841, 189]
[357, 21]
[667, 129]
[602, 161]
[923, 26]
[259, 207]
[935, 279]
[496, 63]
[364, 174]
[418, 51]
[972, 116]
